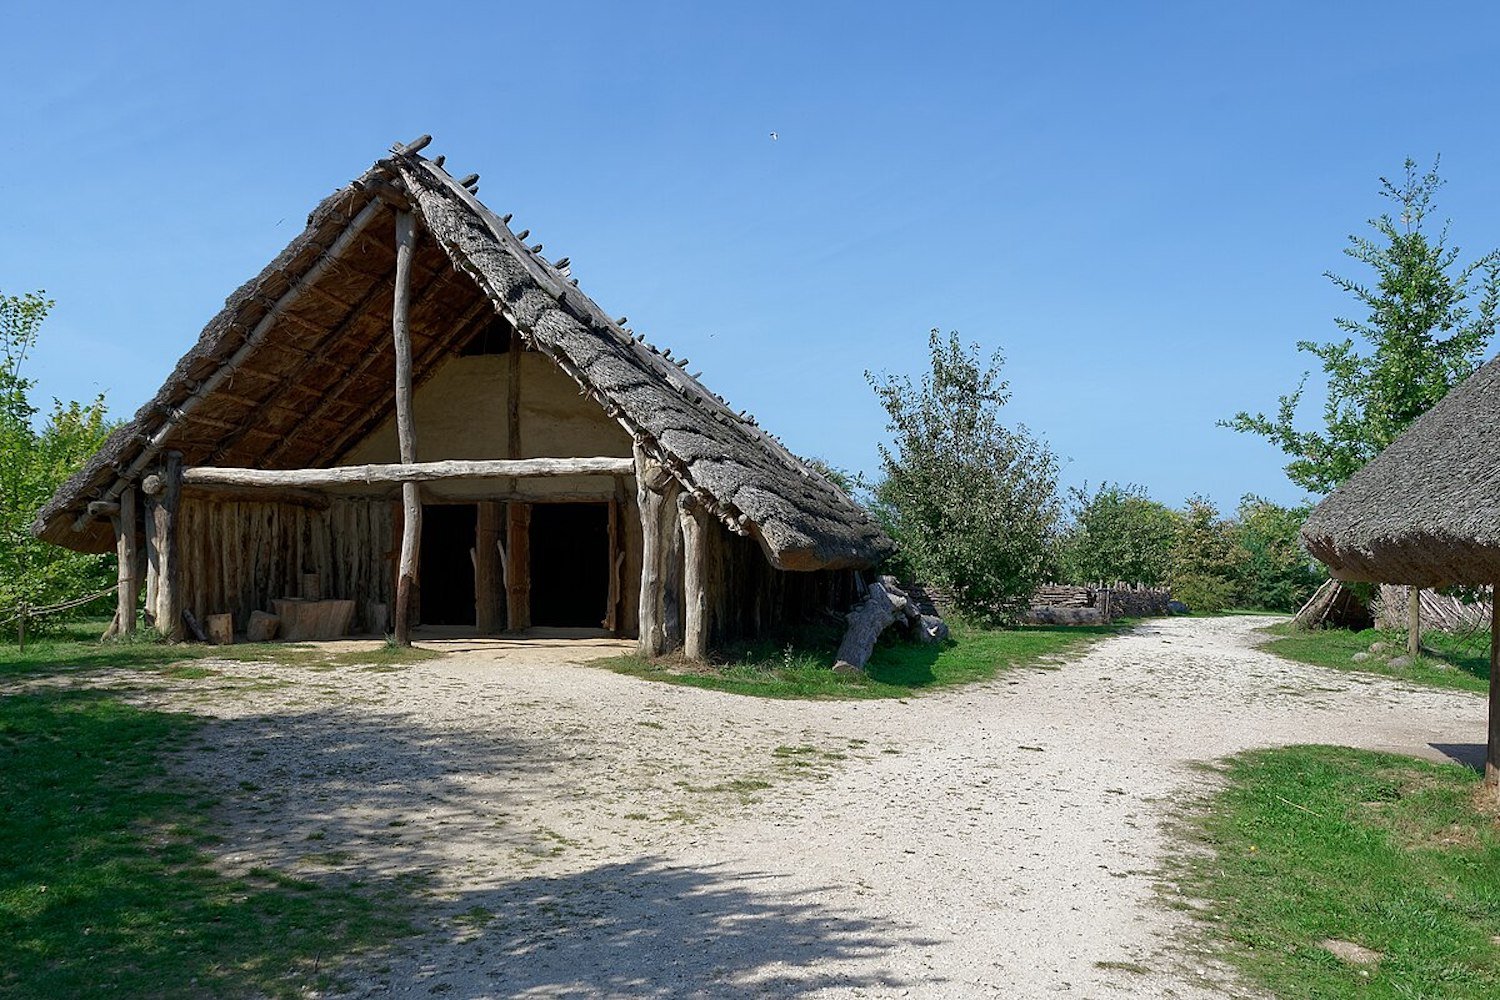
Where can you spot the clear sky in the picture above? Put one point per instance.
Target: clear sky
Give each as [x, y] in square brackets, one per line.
[1135, 202]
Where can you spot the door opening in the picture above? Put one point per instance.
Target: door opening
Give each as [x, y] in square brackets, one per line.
[570, 564]
[447, 569]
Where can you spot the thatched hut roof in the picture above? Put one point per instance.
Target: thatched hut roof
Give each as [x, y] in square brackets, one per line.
[1426, 511]
[299, 367]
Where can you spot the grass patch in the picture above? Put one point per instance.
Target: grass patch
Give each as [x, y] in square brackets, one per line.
[1393, 854]
[1456, 662]
[799, 667]
[104, 888]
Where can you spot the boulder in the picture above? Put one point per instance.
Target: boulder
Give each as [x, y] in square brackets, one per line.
[1399, 662]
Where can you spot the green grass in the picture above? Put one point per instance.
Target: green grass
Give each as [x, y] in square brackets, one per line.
[799, 668]
[1397, 855]
[1451, 661]
[105, 888]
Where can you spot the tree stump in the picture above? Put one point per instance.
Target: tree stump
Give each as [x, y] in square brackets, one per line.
[220, 629]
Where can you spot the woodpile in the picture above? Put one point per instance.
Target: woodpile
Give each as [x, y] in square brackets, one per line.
[885, 604]
[1335, 605]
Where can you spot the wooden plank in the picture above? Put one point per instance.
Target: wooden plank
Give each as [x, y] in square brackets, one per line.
[411, 500]
[695, 528]
[407, 471]
[487, 576]
[518, 566]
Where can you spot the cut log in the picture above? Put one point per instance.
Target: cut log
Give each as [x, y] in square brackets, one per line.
[261, 627]
[305, 620]
[194, 627]
[882, 607]
[407, 471]
[220, 629]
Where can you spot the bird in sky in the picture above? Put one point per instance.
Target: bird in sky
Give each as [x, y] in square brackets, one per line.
[774, 137]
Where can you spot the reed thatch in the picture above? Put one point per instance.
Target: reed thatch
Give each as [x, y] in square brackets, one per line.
[1426, 511]
[299, 367]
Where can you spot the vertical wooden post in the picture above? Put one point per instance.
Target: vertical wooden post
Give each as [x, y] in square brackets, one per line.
[671, 570]
[518, 565]
[1492, 748]
[1413, 622]
[125, 552]
[487, 582]
[695, 528]
[164, 490]
[411, 498]
[649, 479]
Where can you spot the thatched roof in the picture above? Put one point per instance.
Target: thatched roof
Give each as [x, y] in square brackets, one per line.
[299, 367]
[1426, 511]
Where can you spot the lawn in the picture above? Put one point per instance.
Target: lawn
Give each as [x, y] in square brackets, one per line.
[799, 667]
[1312, 844]
[106, 883]
[1460, 662]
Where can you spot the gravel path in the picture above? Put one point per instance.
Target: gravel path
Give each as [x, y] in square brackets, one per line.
[573, 832]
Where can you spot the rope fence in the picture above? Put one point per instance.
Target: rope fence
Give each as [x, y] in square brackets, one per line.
[25, 612]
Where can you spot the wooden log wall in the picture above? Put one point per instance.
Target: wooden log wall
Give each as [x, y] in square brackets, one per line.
[748, 598]
[239, 556]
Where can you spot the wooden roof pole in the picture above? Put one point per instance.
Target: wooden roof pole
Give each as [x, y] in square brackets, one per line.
[1492, 750]
[406, 432]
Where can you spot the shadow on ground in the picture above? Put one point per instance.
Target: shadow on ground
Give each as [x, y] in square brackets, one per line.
[647, 928]
[1470, 755]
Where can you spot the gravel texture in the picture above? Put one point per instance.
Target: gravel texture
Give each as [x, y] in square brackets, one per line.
[567, 831]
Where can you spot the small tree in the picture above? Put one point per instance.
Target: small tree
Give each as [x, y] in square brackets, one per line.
[33, 464]
[1275, 570]
[1118, 533]
[972, 504]
[1205, 558]
[1424, 336]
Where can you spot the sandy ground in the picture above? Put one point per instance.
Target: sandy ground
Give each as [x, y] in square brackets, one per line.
[567, 831]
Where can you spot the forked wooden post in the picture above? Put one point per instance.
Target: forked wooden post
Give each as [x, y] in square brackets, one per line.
[411, 499]
[1492, 749]
[695, 528]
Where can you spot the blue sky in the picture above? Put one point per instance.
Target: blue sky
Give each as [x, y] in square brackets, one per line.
[1136, 203]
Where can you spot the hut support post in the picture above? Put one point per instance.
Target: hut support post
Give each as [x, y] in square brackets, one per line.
[411, 500]
[1413, 622]
[163, 490]
[518, 565]
[487, 575]
[695, 577]
[661, 548]
[1492, 749]
[125, 551]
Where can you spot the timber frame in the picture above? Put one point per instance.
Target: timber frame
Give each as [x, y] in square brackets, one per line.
[245, 458]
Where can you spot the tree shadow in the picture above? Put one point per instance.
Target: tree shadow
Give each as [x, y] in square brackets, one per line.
[646, 927]
[1470, 755]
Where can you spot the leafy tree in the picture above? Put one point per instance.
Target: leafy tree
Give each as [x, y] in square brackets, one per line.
[1206, 559]
[33, 464]
[972, 504]
[1275, 570]
[1118, 533]
[1423, 333]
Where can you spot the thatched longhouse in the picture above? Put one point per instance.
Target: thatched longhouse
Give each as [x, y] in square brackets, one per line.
[412, 410]
[1426, 512]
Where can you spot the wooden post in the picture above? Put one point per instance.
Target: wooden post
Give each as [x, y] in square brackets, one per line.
[695, 528]
[487, 567]
[1492, 749]
[125, 552]
[411, 499]
[1413, 622]
[650, 480]
[164, 490]
[671, 570]
[518, 565]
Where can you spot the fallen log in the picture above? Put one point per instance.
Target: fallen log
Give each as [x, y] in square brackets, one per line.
[884, 604]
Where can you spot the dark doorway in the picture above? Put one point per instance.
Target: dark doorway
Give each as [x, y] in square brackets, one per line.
[569, 564]
[447, 571]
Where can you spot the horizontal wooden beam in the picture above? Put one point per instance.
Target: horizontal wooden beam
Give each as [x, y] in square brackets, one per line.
[413, 472]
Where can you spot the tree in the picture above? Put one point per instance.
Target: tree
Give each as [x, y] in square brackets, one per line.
[1118, 533]
[33, 464]
[1423, 333]
[1275, 571]
[1205, 558]
[972, 504]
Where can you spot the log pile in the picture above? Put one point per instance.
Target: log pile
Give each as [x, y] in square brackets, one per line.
[1335, 605]
[884, 604]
